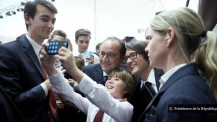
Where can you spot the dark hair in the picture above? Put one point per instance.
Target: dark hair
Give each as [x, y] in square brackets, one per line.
[139, 47]
[59, 33]
[82, 32]
[121, 43]
[98, 45]
[30, 8]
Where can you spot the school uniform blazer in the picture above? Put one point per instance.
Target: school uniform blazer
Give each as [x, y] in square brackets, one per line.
[185, 87]
[95, 72]
[21, 75]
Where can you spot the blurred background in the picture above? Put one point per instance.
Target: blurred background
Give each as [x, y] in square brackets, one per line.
[103, 18]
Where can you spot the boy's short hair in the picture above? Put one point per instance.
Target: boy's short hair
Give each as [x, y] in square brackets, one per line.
[82, 32]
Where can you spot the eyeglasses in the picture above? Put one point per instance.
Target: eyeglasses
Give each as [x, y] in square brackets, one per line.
[108, 55]
[131, 56]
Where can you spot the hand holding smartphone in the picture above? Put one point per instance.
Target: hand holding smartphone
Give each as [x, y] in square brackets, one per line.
[54, 46]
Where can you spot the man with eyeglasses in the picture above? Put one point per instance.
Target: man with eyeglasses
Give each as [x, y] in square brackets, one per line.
[137, 61]
[112, 51]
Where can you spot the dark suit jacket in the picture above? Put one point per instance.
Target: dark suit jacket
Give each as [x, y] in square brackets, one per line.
[141, 98]
[185, 87]
[8, 110]
[21, 75]
[95, 72]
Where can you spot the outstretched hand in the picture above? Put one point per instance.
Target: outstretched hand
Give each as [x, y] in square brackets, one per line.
[68, 61]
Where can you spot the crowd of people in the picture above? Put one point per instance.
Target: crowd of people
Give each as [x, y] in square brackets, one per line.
[170, 76]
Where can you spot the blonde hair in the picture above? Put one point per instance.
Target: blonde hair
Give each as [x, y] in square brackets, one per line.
[79, 61]
[207, 60]
[195, 43]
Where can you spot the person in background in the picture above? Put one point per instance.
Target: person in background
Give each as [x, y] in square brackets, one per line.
[112, 51]
[110, 100]
[136, 60]
[178, 44]
[22, 75]
[79, 62]
[82, 39]
[97, 48]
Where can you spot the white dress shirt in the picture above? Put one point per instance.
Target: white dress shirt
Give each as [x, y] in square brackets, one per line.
[151, 79]
[37, 48]
[86, 55]
[97, 95]
[169, 73]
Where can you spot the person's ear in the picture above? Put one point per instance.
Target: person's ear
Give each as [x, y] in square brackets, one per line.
[170, 36]
[27, 19]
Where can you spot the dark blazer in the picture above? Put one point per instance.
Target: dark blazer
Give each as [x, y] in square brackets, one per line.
[185, 87]
[95, 72]
[8, 110]
[21, 76]
[142, 97]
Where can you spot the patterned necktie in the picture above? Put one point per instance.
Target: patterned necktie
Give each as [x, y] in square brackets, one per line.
[98, 117]
[52, 100]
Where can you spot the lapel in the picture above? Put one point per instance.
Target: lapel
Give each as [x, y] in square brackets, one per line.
[189, 69]
[29, 51]
[99, 75]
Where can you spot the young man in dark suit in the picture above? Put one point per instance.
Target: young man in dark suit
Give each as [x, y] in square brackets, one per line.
[20, 68]
[136, 60]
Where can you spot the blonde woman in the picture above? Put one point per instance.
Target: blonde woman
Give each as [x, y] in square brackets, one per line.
[180, 45]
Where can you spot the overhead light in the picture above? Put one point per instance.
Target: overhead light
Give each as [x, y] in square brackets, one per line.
[20, 9]
[22, 3]
[158, 12]
[13, 12]
[8, 13]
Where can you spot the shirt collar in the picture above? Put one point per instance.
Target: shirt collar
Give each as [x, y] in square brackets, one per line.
[169, 73]
[104, 74]
[151, 77]
[34, 44]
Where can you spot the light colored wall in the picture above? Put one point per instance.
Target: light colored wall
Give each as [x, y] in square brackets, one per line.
[103, 17]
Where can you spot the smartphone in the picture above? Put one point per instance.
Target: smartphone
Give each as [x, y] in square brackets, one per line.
[129, 39]
[54, 46]
[87, 59]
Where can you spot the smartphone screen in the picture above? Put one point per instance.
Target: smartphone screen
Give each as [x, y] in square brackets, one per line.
[54, 46]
